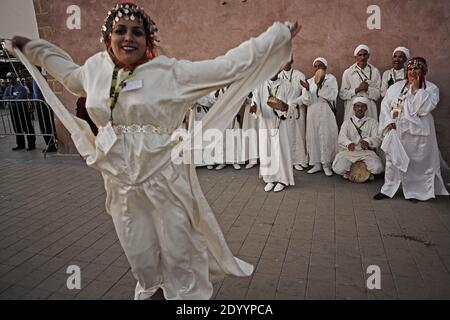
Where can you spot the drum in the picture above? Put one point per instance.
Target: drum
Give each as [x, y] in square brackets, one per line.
[358, 172]
[319, 76]
[277, 104]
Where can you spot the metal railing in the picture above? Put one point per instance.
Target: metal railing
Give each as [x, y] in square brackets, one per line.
[28, 118]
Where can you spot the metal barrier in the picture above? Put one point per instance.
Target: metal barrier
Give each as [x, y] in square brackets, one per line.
[19, 118]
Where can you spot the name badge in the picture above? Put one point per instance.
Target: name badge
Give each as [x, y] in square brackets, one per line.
[133, 85]
[106, 138]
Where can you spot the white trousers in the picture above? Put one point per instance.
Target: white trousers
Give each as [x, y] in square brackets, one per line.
[163, 249]
[345, 159]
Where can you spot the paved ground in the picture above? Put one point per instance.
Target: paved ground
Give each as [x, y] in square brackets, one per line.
[312, 241]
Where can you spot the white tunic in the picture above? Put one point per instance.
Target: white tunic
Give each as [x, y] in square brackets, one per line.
[164, 223]
[395, 75]
[274, 146]
[321, 127]
[197, 113]
[250, 128]
[226, 148]
[349, 134]
[297, 119]
[351, 79]
[415, 129]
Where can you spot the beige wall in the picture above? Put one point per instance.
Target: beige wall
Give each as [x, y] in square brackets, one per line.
[200, 29]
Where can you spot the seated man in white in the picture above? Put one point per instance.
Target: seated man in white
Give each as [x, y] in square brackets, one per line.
[357, 140]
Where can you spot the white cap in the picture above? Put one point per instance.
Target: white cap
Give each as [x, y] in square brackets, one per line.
[323, 60]
[404, 50]
[363, 100]
[361, 47]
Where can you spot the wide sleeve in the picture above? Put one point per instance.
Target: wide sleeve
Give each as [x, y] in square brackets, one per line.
[374, 88]
[57, 63]
[384, 83]
[385, 113]
[373, 139]
[344, 135]
[306, 98]
[198, 78]
[347, 92]
[329, 90]
[423, 102]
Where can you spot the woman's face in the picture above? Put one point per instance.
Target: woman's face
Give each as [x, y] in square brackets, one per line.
[415, 73]
[128, 41]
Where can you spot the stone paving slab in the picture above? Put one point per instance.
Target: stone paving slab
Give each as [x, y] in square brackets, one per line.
[312, 241]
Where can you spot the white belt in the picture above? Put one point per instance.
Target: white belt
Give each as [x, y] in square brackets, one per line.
[136, 128]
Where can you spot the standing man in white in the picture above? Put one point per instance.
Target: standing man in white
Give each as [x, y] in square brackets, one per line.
[398, 71]
[361, 79]
[250, 127]
[319, 94]
[274, 146]
[297, 118]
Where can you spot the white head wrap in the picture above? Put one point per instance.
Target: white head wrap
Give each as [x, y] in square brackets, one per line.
[323, 60]
[361, 47]
[360, 100]
[404, 50]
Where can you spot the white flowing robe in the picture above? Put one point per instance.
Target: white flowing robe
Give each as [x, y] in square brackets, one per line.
[201, 108]
[274, 145]
[321, 127]
[197, 113]
[232, 142]
[297, 119]
[415, 129]
[351, 79]
[250, 128]
[349, 134]
[167, 229]
[395, 75]
[225, 148]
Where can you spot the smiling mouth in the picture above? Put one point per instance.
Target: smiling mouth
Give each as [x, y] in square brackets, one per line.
[128, 48]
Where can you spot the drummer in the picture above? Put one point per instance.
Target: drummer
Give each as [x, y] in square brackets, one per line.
[274, 144]
[358, 140]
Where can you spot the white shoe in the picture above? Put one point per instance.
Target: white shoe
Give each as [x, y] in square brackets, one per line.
[316, 168]
[346, 176]
[298, 167]
[250, 165]
[279, 187]
[221, 166]
[209, 167]
[236, 166]
[328, 172]
[269, 187]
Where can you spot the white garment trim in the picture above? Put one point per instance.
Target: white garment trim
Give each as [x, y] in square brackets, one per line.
[136, 128]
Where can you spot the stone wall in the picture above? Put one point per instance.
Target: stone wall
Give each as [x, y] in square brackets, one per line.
[200, 29]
